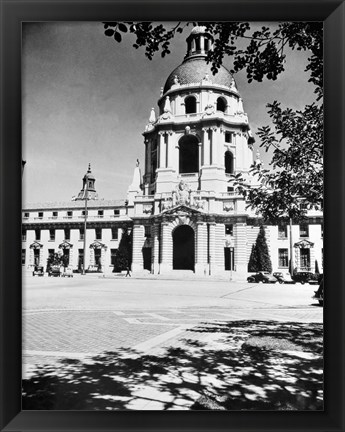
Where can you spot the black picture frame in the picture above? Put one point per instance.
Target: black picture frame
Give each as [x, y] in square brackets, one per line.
[13, 13]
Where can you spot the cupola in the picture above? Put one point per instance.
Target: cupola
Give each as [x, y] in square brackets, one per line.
[88, 190]
[199, 42]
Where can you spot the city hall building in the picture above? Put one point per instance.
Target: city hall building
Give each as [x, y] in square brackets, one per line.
[181, 210]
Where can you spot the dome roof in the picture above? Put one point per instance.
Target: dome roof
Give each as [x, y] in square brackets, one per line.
[193, 70]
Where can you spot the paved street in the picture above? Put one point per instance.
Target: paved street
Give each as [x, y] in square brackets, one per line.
[84, 317]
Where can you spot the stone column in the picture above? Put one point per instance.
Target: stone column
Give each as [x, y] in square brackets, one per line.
[219, 255]
[162, 151]
[206, 148]
[201, 249]
[210, 145]
[202, 43]
[166, 145]
[166, 248]
[148, 159]
[240, 235]
[138, 241]
[200, 154]
[155, 249]
[212, 246]
[214, 144]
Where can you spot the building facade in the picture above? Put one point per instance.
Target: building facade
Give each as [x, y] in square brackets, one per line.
[182, 212]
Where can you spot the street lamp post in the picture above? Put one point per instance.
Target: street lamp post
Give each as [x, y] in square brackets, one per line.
[85, 220]
[231, 261]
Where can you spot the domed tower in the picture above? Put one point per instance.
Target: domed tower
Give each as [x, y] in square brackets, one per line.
[189, 217]
[201, 134]
[88, 190]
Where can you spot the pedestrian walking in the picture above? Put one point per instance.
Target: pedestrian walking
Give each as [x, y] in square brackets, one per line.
[128, 272]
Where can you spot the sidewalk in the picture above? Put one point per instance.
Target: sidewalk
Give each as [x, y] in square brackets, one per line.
[209, 366]
[99, 345]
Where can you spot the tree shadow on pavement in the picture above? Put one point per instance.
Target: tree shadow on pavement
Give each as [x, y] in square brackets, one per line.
[246, 377]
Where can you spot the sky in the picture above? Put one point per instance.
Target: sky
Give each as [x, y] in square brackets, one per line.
[87, 99]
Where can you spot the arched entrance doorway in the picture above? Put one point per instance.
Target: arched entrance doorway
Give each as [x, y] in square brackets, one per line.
[183, 248]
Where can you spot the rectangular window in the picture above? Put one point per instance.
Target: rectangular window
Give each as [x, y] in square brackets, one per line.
[23, 234]
[67, 234]
[282, 231]
[305, 259]
[116, 212]
[304, 230]
[55, 214]
[114, 234]
[229, 258]
[37, 257]
[229, 229]
[98, 233]
[26, 215]
[81, 233]
[40, 215]
[52, 234]
[228, 137]
[23, 256]
[283, 258]
[113, 253]
[147, 231]
[69, 214]
[100, 213]
[83, 212]
[37, 234]
[230, 189]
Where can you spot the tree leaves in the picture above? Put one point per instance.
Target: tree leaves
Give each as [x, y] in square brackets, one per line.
[117, 37]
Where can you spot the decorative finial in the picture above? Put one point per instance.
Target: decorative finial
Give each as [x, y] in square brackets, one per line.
[137, 163]
[152, 118]
[89, 169]
[162, 91]
[167, 107]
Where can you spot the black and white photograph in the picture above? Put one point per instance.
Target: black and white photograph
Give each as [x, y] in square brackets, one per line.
[172, 216]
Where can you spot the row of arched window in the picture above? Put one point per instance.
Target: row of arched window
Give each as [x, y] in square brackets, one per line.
[190, 104]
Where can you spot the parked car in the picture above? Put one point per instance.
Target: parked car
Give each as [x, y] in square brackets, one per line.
[262, 276]
[38, 271]
[283, 277]
[55, 271]
[305, 277]
[68, 272]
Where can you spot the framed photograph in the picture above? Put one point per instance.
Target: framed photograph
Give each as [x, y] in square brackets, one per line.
[172, 183]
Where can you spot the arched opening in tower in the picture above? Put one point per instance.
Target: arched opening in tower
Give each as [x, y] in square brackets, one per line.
[221, 104]
[229, 162]
[189, 154]
[190, 105]
[183, 248]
